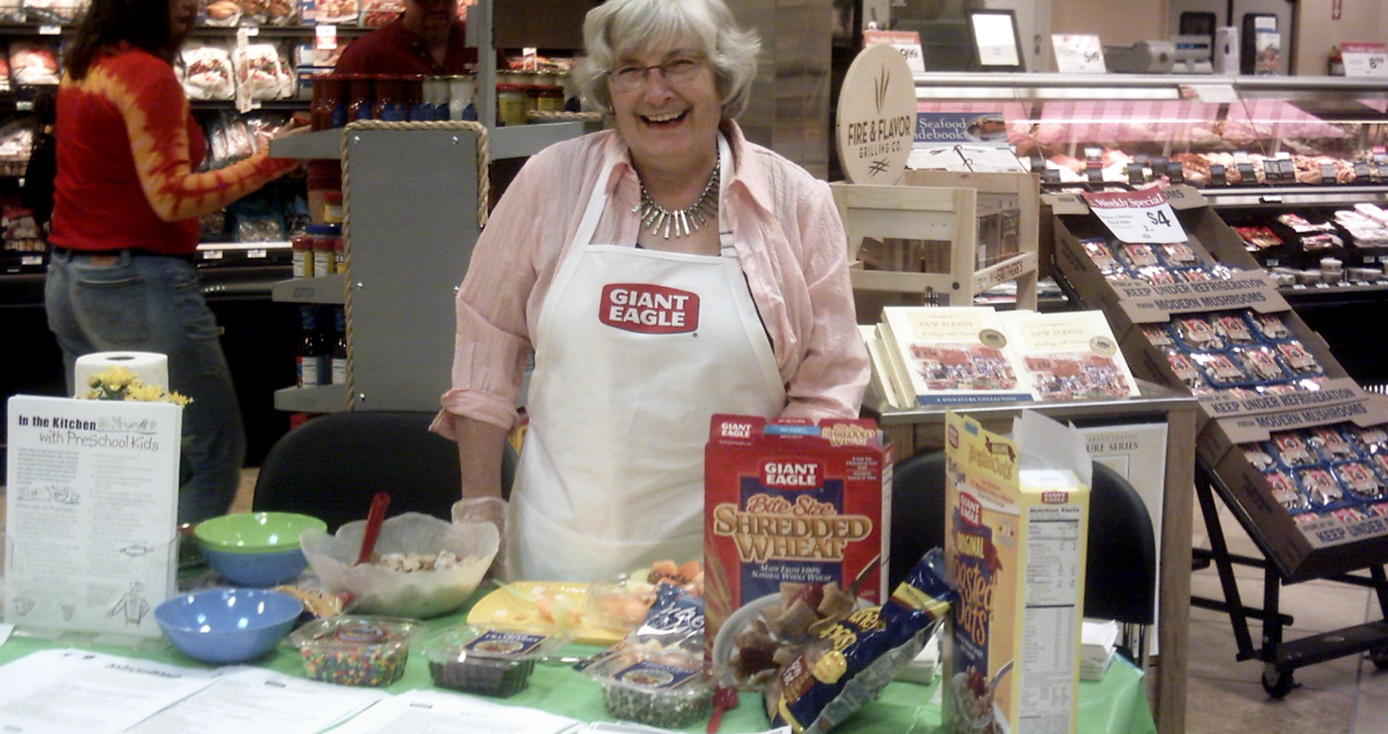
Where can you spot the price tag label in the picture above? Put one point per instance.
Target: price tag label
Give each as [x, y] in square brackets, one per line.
[907, 42]
[1078, 54]
[1365, 59]
[324, 37]
[1137, 216]
[1209, 93]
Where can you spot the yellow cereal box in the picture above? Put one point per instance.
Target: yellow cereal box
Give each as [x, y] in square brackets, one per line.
[1015, 535]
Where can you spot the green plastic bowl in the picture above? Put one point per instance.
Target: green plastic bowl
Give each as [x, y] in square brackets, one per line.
[254, 532]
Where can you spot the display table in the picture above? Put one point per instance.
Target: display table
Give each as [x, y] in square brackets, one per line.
[922, 429]
[1115, 705]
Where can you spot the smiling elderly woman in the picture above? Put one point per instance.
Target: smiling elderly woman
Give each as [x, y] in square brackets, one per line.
[661, 272]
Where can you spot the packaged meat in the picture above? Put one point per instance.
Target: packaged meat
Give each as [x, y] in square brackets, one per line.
[261, 74]
[207, 72]
[33, 63]
[59, 12]
[221, 13]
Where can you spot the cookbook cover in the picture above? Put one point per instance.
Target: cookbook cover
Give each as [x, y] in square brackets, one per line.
[952, 355]
[1069, 356]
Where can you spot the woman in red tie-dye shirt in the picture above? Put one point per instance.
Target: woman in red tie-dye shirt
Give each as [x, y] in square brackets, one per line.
[125, 226]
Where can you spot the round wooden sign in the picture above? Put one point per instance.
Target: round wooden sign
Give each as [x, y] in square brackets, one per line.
[876, 116]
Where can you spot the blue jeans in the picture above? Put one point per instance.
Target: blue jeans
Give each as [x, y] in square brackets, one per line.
[128, 302]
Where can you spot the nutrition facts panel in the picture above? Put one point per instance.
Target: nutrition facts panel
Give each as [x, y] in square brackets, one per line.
[1054, 556]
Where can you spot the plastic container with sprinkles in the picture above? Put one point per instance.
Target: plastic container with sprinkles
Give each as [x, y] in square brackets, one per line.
[356, 650]
[671, 690]
[487, 660]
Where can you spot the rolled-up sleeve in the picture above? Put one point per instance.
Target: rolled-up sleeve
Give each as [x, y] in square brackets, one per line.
[795, 255]
[505, 283]
[833, 369]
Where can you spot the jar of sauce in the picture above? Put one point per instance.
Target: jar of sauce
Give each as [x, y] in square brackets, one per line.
[389, 102]
[327, 104]
[549, 98]
[360, 96]
[510, 104]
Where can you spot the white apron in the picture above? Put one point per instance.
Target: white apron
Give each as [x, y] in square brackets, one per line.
[636, 349]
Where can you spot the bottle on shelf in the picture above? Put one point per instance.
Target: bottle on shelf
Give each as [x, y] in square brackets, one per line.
[301, 250]
[339, 354]
[313, 354]
[325, 247]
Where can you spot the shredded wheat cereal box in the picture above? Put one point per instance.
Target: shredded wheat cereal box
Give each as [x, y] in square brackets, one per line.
[1015, 537]
[790, 504]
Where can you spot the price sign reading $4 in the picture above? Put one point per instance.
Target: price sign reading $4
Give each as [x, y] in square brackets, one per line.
[1137, 216]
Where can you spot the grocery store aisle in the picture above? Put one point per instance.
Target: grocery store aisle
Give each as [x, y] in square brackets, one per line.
[1344, 696]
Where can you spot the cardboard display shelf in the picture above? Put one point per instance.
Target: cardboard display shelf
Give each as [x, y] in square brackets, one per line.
[1298, 444]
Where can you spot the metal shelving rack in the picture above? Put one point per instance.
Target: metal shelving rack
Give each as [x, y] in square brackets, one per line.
[415, 205]
[1280, 657]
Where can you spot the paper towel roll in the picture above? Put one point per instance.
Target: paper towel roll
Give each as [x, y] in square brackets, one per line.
[151, 367]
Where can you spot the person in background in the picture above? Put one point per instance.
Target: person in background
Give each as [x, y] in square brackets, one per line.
[661, 271]
[428, 38]
[125, 227]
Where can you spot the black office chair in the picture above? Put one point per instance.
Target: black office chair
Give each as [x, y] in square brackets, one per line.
[1120, 578]
[332, 465]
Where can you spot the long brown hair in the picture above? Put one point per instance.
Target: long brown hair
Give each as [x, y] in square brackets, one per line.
[144, 24]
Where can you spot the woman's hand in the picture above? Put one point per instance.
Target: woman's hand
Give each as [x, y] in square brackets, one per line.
[486, 509]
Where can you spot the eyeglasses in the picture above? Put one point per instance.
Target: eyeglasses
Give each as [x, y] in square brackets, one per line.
[675, 71]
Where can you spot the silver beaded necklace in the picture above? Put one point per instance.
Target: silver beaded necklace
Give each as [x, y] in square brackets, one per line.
[681, 222]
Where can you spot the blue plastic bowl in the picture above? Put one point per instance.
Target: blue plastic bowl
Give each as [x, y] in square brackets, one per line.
[257, 569]
[224, 626]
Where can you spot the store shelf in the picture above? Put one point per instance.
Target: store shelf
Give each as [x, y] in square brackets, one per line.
[525, 140]
[503, 142]
[320, 145]
[315, 399]
[1285, 196]
[326, 289]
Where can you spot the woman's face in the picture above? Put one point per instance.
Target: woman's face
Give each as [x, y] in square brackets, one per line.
[667, 122]
[182, 15]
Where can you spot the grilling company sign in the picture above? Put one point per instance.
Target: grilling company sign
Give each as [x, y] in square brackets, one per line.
[876, 116]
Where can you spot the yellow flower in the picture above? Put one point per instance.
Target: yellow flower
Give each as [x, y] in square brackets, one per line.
[115, 378]
[148, 393]
[119, 383]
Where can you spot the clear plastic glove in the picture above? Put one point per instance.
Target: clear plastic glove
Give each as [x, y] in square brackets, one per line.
[486, 509]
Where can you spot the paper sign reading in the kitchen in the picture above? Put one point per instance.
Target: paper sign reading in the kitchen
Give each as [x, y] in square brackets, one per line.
[1364, 59]
[1137, 216]
[91, 506]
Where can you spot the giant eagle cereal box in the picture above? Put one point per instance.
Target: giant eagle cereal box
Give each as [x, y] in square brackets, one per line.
[1015, 537]
[795, 525]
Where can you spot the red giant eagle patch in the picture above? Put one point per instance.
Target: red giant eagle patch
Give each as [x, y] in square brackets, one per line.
[649, 309]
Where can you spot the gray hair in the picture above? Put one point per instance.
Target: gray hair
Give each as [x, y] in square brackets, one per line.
[619, 29]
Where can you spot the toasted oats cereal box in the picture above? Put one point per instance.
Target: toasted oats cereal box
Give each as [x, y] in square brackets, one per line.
[793, 512]
[1015, 534]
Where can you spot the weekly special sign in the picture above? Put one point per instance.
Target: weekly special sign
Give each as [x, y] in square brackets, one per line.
[876, 116]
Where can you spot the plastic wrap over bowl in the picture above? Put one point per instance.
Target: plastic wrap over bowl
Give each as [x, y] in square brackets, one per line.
[377, 589]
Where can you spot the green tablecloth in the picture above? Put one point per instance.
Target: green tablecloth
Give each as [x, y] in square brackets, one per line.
[1115, 705]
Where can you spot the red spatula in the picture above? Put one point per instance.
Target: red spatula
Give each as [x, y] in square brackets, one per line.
[379, 503]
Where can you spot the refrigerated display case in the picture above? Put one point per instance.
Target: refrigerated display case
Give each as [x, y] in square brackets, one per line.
[1278, 153]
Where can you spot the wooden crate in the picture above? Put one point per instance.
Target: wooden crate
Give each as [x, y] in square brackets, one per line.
[919, 241]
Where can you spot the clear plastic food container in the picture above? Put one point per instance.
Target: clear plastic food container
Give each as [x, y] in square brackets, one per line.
[356, 650]
[672, 690]
[487, 660]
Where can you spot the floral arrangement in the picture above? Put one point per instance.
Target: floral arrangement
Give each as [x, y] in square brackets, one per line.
[119, 383]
